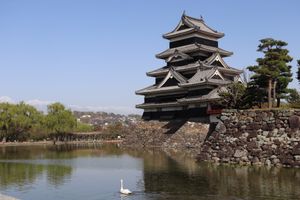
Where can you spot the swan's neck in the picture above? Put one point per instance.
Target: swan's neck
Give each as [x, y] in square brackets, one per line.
[121, 185]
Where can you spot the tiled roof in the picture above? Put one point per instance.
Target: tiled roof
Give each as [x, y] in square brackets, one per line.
[156, 105]
[216, 57]
[201, 76]
[165, 69]
[213, 95]
[191, 66]
[206, 82]
[193, 25]
[154, 89]
[193, 48]
[177, 55]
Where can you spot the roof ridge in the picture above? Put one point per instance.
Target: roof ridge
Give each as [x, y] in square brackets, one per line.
[193, 24]
[192, 47]
[194, 18]
[177, 75]
[201, 75]
[189, 18]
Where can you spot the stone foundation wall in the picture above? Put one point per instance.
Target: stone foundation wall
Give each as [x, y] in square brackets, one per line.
[258, 137]
[178, 135]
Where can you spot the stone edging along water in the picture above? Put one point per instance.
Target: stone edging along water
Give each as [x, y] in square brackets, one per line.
[4, 197]
[115, 141]
[257, 137]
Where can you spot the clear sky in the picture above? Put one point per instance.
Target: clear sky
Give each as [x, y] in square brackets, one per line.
[94, 54]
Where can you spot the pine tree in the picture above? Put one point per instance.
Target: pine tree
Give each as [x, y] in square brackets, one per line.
[255, 95]
[272, 72]
[293, 98]
[233, 96]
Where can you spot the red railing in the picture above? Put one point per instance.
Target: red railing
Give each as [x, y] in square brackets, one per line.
[214, 111]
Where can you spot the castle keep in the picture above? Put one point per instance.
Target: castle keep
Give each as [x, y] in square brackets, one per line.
[188, 85]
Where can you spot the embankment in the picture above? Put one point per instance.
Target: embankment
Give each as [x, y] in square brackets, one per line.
[257, 137]
[178, 135]
[70, 138]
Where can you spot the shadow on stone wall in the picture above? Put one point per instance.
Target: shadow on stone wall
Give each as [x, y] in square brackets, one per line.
[177, 134]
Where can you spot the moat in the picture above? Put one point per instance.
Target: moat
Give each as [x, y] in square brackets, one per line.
[93, 172]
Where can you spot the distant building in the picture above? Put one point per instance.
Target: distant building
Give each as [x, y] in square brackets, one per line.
[86, 116]
[188, 86]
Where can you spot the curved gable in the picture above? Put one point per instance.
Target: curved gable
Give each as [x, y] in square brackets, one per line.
[216, 59]
[178, 56]
[172, 74]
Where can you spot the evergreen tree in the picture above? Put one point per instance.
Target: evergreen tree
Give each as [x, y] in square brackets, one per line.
[293, 98]
[254, 95]
[272, 72]
[233, 96]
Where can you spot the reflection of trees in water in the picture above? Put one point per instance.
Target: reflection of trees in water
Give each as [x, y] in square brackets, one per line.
[57, 174]
[179, 176]
[64, 151]
[69, 151]
[20, 152]
[25, 174]
[19, 174]
[13, 171]
[172, 173]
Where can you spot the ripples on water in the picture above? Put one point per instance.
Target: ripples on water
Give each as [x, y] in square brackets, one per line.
[93, 172]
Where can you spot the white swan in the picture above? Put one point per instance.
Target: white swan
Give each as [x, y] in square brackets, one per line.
[124, 191]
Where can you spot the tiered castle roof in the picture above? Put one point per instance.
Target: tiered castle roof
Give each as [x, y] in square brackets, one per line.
[195, 70]
[201, 49]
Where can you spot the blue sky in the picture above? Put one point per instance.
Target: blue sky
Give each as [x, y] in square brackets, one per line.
[94, 54]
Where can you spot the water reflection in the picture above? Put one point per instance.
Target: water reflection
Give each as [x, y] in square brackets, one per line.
[56, 151]
[179, 177]
[150, 173]
[24, 174]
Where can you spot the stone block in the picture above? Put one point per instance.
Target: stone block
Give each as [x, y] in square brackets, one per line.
[296, 150]
[223, 118]
[251, 145]
[297, 158]
[221, 128]
[268, 162]
[240, 153]
[252, 114]
[287, 159]
[294, 122]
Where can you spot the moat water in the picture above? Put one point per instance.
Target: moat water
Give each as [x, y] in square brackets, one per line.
[93, 172]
